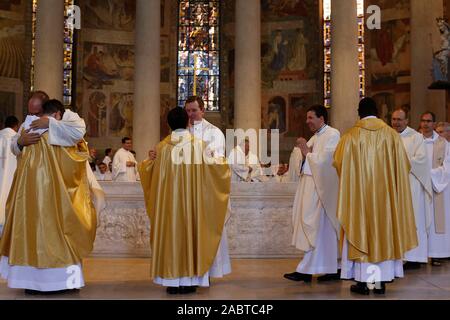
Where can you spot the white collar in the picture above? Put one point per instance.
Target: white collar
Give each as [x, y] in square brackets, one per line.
[369, 117]
[200, 123]
[405, 132]
[321, 130]
[8, 131]
[432, 139]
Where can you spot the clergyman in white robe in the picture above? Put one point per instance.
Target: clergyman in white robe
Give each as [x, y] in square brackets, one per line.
[295, 163]
[67, 132]
[215, 145]
[314, 213]
[120, 170]
[244, 168]
[421, 191]
[438, 152]
[8, 165]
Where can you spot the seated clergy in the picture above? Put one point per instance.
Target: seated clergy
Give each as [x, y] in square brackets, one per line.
[244, 164]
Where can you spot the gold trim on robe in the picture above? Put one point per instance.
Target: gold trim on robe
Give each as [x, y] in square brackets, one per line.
[375, 205]
[51, 221]
[187, 205]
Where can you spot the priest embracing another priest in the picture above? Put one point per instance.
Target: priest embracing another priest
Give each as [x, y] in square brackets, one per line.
[186, 192]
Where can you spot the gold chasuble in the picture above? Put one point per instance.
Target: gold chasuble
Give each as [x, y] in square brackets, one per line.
[186, 200]
[51, 221]
[374, 204]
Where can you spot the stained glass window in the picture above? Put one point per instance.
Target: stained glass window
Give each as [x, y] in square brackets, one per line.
[361, 61]
[68, 50]
[68, 54]
[327, 52]
[198, 71]
[327, 25]
[33, 43]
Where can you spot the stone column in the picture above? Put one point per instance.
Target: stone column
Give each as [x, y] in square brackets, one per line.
[146, 114]
[344, 64]
[425, 39]
[248, 65]
[49, 46]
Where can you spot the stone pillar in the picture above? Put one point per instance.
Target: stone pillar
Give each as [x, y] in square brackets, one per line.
[146, 114]
[49, 46]
[248, 65]
[425, 39]
[344, 64]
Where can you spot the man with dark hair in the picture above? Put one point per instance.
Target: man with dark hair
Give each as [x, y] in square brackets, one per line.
[438, 153]
[8, 163]
[316, 229]
[124, 163]
[375, 207]
[53, 108]
[108, 157]
[420, 182]
[12, 122]
[188, 226]
[367, 108]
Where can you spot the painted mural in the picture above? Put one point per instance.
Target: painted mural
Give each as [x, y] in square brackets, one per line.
[105, 70]
[388, 57]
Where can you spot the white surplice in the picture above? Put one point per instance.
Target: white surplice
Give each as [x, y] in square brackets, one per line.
[120, 171]
[421, 191]
[295, 163]
[314, 212]
[439, 243]
[8, 165]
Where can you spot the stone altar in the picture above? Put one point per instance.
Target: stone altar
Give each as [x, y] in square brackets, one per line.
[260, 225]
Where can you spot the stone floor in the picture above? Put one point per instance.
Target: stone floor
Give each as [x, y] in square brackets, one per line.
[251, 279]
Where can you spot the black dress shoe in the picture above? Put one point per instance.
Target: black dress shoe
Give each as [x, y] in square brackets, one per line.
[187, 289]
[435, 262]
[411, 265]
[381, 288]
[360, 287]
[330, 277]
[172, 290]
[297, 276]
[32, 292]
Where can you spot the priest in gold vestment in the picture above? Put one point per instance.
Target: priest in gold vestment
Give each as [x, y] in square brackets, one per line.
[50, 215]
[186, 195]
[375, 207]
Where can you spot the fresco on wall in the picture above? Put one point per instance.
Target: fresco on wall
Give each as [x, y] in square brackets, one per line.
[291, 66]
[117, 15]
[388, 54]
[105, 72]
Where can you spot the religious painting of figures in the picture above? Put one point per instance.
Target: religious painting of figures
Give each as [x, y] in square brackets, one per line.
[388, 101]
[298, 106]
[7, 106]
[388, 53]
[167, 103]
[97, 116]
[276, 115]
[106, 63]
[121, 114]
[285, 56]
[12, 38]
[110, 14]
